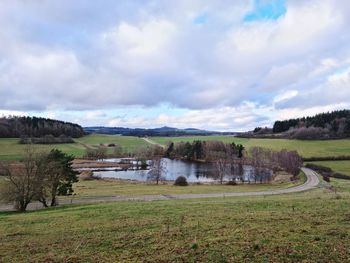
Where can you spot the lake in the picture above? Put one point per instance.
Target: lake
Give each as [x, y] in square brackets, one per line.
[193, 171]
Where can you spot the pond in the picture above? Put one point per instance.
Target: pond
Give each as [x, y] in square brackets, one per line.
[193, 171]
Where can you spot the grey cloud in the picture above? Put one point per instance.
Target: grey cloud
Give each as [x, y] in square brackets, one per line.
[58, 55]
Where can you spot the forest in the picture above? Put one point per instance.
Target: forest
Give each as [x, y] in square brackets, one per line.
[333, 124]
[16, 127]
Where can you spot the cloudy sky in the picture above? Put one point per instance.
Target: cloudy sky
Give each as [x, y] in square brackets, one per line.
[213, 64]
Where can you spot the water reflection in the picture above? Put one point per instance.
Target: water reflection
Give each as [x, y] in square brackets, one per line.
[194, 172]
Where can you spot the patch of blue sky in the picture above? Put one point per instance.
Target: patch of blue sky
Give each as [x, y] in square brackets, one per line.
[342, 70]
[201, 19]
[266, 10]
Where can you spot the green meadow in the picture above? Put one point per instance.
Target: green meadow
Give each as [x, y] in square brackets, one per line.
[317, 148]
[305, 227]
[10, 149]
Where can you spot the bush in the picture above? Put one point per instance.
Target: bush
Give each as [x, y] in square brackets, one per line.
[341, 176]
[327, 158]
[99, 153]
[326, 178]
[181, 181]
[231, 182]
[319, 168]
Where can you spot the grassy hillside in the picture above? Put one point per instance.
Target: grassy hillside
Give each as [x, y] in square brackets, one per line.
[305, 148]
[129, 143]
[309, 227]
[10, 149]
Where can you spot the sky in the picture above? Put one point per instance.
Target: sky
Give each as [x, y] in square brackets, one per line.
[212, 64]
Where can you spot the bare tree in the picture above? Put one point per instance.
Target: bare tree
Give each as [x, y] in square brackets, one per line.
[118, 151]
[22, 180]
[219, 160]
[157, 170]
[290, 161]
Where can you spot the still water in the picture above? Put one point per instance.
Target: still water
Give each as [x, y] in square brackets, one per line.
[193, 171]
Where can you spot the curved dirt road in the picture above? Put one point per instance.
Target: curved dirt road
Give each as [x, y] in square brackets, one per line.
[311, 182]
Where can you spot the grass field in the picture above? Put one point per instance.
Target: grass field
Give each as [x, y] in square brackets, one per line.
[305, 148]
[116, 187]
[309, 227]
[342, 167]
[11, 150]
[128, 143]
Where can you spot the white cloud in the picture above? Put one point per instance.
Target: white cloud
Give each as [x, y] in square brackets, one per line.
[151, 52]
[146, 40]
[221, 118]
[289, 94]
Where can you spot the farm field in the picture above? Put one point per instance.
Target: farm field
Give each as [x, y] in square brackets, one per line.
[128, 143]
[311, 226]
[10, 149]
[321, 148]
[342, 167]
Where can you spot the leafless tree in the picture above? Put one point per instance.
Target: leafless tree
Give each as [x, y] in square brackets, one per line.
[22, 180]
[157, 170]
[290, 161]
[219, 160]
[118, 151]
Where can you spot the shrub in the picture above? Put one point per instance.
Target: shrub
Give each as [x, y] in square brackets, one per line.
[181, 181]
[341, 176]
[319, 168]
[99, 153]
[326, 178]
[231, 182]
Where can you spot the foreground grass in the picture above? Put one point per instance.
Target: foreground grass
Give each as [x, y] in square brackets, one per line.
[128, 188]
[308, 227]
[320, 148]
[10, 149]
[342, 167]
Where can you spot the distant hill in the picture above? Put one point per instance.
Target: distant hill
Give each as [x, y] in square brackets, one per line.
[163, 131]
[15, 127]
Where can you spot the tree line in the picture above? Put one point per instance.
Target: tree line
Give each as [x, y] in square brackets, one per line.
[335, 124]
[203, 150]
[16, 127]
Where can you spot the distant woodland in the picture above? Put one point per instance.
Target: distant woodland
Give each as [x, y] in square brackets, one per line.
[33, 127]
[330, 125]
